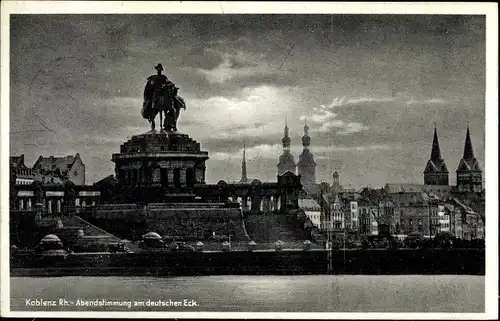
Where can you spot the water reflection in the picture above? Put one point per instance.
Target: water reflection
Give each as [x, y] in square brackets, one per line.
[321, 293]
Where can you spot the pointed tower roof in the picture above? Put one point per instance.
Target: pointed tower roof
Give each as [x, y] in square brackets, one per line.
[436, 151]
[306, 140]
[468, 161]
[286, 139]
[468, 152]
[286, 161]
[436, 162]
[244, 177]
[306, 158]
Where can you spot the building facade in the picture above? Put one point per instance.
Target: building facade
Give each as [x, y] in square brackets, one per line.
[368, 217]
[52, 199]
[464, 222]
[68, 168]
[313, 211]
[19, 172]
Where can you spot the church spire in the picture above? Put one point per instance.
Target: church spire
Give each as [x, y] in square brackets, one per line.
[286, 162]
[436, 172]
[469, 174]
[286, 139]
[244, 177]
[306, 167]
[436, 151]
[306, 140]
[468, 152]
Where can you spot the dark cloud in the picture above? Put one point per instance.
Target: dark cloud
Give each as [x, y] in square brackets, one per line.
[82, 76]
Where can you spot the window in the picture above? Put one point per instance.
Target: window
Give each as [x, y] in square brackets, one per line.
[177, 177]
[163, 177]
[75, 173]
[190, 178]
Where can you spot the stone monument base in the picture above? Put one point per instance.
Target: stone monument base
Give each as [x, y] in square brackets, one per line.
[159, 166]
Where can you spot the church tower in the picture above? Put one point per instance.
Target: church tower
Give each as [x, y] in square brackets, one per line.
[286, 162]
[336, 188]
[435, 172]
[469, 174]
[336, 178]
[306, 165]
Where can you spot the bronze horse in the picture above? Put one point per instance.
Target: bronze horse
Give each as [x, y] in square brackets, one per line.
[161, 98]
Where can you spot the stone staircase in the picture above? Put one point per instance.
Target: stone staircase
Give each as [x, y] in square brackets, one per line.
[77, 223]
[93, 236]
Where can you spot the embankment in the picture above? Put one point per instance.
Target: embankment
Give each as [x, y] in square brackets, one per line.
[373, 262]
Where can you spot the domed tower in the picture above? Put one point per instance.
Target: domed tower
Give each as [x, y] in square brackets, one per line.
[336, 188]
[435, 172]
[306, 165]
[469, 174]
[286, 162]
[336, 178]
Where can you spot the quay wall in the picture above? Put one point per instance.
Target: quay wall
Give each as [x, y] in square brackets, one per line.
[372, 262]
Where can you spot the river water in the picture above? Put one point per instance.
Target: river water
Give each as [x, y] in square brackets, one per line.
[318, 293]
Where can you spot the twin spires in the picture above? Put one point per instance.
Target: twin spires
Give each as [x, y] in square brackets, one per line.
[286, 141]
[436, 150]
[468, 171]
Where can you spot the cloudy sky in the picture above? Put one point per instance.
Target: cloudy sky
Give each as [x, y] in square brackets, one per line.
[370, 86]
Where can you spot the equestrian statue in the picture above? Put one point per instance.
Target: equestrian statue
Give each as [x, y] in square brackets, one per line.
[160, 97]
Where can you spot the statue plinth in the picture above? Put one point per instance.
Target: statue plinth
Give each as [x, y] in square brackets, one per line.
[158, 165]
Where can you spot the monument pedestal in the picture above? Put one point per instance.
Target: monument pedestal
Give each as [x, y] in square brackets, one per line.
[160, 166]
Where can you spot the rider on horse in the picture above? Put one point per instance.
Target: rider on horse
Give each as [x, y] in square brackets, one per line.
[160, 95]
